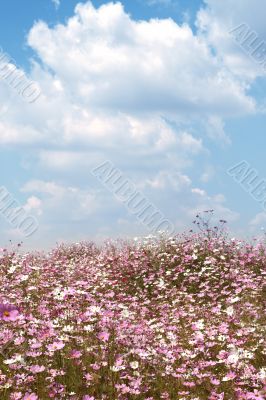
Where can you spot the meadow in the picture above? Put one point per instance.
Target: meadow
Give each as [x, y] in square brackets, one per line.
[172, 319]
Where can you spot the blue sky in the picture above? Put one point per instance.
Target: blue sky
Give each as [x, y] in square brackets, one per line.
[158, 87]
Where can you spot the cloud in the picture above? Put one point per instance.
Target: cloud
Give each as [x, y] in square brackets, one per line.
[33, 205]
[143, 94]
[215, 129]
[159, 2]
[116, 63]
[198, 191]
[60, 201]
[122, 83]
[164, 179]
[259, 220]
[217, 19]
[208, 173]
[56, 3]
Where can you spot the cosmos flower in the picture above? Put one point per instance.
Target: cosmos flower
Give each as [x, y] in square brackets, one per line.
[55, 346]
[104, 336]
[75, 354]
[36, 369]
[30, 396]
[8, 312]
[16, 396]
[170, 329]
[134, 364]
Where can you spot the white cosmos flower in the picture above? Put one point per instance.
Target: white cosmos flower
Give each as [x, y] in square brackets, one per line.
[262, 373]
[230, 311]
[134, 364]
[116, 368]
[95, 309]
[125, 313]
[12, 269]
[17, 359]
[234, 299]
[233, 358]
[88, 328]
[24, 278]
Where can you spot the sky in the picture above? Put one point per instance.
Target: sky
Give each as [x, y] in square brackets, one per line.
[167, 92]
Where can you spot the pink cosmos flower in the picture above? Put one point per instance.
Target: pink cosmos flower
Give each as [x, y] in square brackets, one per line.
[215, 381]
[36, 369]
[75, 354]
[16, 396]
[189, 384]
[55, 346]
[30, 396]
[229, 376]
[8, 312]
[87, 397]
[104, 336]
[88, 377]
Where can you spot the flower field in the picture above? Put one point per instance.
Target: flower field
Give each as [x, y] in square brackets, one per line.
[179, 318]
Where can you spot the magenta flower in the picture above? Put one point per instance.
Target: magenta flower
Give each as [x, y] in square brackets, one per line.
[55, 346]
[36, 369]
[8, 312]
[171, 325]
[88, 377]
[104, 336]
[30, 396]
[75, 354]
[16, 396]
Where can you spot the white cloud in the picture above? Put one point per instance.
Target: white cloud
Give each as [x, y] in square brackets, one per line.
[215, 130]
[259, 220]
[56, 3]
[121, 83]
[190, 143]
[33, 205]
[198, 191]
[159, 2]
[69, 202]
[18, 134]
[166, 179]
[114, 62]
[65, 160]
[217, 20]
[217, 202]
[141, 93]
[207, 174]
